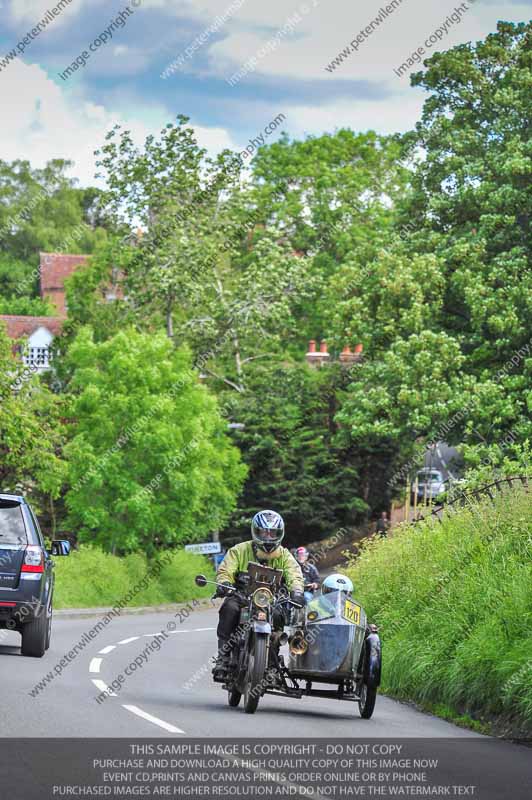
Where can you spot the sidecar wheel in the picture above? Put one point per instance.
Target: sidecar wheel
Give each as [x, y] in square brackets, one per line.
[258, 658]
[233, 697]
[368, 698]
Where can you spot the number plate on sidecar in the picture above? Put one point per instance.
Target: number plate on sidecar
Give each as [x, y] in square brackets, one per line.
[352, 612]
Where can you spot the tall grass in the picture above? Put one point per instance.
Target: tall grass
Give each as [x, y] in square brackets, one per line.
[454, 606]
[90, 578]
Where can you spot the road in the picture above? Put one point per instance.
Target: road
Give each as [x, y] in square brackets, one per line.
[154, 700]
[170, 696]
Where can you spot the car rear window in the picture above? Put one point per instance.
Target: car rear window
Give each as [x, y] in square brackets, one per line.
[12, 528]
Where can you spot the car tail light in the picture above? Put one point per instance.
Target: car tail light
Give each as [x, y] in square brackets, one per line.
[33, 559]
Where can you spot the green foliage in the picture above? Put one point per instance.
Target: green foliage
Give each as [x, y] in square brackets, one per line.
[91, 578]
[454, 606]
[27, 306]
[297, 465]
[18, 279]
[443, 303]
[87, 289]
[333, 193]
[31, 435]
[149, 457]
[42, 210]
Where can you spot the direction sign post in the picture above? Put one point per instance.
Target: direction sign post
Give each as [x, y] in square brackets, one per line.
[205, 548]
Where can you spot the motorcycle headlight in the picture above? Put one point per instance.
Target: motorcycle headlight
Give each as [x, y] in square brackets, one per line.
[262, 598]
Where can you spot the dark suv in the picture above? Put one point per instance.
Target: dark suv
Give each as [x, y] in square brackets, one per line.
[26, 575]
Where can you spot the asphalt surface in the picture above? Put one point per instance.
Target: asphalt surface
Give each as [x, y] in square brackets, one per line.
[172, 693]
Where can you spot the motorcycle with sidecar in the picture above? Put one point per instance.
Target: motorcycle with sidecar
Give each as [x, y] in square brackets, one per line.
[329, 642]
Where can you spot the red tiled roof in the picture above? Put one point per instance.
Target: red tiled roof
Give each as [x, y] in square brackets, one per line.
[19, 327]
[56, 267]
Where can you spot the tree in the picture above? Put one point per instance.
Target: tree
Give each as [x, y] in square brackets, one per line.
[42, 210]
[334, 197]
[443, 304]
[195, 266]
[31, 433]
[150, 461]
[297, 463]
[472, 197]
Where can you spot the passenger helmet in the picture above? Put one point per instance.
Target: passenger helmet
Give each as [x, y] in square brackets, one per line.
[301, 554]
[337, 583]
[267, 530]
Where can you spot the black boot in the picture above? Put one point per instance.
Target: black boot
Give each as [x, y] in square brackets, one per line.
[221, 667]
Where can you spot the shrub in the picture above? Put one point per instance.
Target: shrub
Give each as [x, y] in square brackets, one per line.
[90, 578]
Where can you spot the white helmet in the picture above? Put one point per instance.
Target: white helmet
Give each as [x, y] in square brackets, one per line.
[337, 583]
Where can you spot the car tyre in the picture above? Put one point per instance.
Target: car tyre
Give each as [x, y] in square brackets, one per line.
[48, 628]
[34, 636]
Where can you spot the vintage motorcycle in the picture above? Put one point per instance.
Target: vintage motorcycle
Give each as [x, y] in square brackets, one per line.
[329, 642]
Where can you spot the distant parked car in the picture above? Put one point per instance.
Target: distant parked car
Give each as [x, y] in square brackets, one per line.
[26, 575]
[430, 484]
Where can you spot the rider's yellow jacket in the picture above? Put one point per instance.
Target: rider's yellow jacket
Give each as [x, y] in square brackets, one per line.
[237, 559]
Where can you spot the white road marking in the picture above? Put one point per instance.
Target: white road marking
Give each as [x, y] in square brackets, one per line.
[179, 631]
[95, 664]
[107, 649]
[203, 629]
[154, 720]
[153, 634]
[131, 639]
[102, 686]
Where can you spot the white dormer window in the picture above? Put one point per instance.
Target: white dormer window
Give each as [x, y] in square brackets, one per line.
[37, 357]
[37, 351]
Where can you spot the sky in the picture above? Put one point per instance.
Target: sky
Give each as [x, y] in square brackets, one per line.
[247, 63]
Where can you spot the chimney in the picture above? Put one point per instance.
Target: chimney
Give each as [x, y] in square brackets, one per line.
[349, 357]
[312, 357]
[317, 359]
[346, 356]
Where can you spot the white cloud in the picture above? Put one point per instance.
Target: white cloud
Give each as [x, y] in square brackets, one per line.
[325, 30]
[45, 121]
[385, 115]
[30, 12]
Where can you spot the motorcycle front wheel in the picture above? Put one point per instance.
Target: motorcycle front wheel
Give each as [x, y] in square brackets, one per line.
[258, 658]
[233, 697]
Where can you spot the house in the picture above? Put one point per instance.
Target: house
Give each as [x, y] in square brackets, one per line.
[34, 335]
[37, 334]
[54, 269]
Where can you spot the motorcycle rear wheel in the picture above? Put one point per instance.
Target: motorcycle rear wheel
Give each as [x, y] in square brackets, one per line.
[258, 658]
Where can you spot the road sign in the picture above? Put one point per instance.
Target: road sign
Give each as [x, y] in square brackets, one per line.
[204, 547]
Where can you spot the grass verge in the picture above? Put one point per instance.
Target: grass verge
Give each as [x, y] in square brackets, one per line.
[454, 605]
[90, 578]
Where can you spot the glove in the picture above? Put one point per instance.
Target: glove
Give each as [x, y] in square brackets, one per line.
[223, 590]
[297, 597]
[243, 579]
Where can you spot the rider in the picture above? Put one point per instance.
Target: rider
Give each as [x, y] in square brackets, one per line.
[337, 583]
[311, 575]
[267, 532]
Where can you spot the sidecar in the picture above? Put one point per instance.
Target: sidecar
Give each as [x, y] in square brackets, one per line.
[331, 643]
